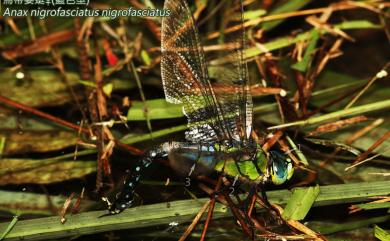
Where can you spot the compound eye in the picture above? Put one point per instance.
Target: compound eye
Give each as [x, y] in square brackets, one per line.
[290, 170]
[279, 172]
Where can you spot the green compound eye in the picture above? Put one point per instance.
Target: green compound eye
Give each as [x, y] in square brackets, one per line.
[281, 169]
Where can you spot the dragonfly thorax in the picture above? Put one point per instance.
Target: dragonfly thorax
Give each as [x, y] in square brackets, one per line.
[253, 164]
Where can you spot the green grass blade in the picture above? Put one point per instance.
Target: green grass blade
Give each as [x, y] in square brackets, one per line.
[369, 206]
[253, 14]
[300, 203]
[141, 92]
[177, 211]
[299, 153]
[288, 41]
[9, 227]
[27, 203]
[156, 109]
[2, 144]
[145, 57]
[155, 134]
[326, 228]
[381, 234]
[309, 53]
[362, 109]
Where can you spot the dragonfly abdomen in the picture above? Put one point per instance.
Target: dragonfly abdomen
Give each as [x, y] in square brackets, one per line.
[125, 197]
[182, 157]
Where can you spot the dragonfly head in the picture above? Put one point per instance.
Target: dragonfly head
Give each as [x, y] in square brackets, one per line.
[281, 168]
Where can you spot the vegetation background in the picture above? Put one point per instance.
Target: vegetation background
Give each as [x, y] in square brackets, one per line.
[81, 98]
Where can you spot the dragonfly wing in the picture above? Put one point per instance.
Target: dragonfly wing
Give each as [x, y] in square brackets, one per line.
[185, 76]
[233, 81]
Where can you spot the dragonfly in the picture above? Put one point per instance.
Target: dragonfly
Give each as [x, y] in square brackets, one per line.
[220, 127]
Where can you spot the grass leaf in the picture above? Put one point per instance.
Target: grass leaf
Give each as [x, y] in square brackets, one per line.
[362, 109]
[156, 109]
[176, 211]
[381, 234]
[9, 227]
[300, 203]
[21, 171]
[309, 53]
[369, 206]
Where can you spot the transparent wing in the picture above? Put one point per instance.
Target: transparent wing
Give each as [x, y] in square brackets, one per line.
[237, 99]
[185, 77]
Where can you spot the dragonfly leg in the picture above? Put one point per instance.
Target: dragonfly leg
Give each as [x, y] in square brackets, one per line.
[264, 197]
[125, 197]
[273, 212]
[247, 204]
